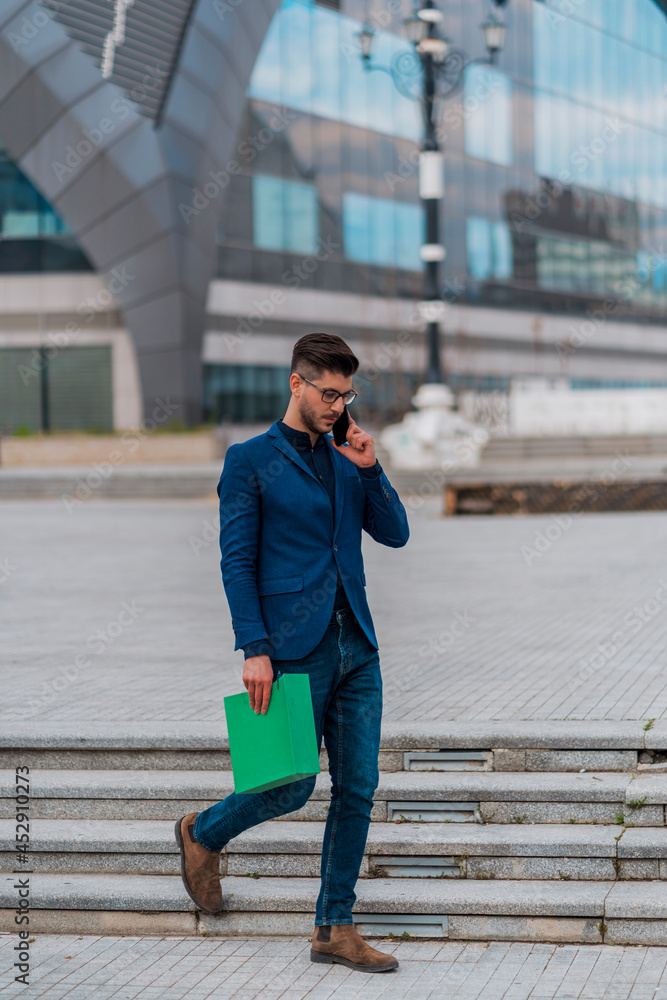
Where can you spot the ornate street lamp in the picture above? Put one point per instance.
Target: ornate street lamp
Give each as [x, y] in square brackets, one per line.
[433, 70]
[493, 30]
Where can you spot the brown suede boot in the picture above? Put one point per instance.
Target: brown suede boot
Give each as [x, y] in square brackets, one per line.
[342, 944]
[200, 868]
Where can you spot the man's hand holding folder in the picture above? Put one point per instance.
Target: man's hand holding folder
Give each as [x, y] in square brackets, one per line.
[258, 678]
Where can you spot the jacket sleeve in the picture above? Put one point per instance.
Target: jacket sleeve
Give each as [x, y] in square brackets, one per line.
[385, 519]
[240, 503]
[257, 648]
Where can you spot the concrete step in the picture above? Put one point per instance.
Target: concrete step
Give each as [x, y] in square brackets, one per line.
[416, 759]
[523, 910]
[418, 850]
[73, 484]
[495, 746]
[510, 797]
[584, 446]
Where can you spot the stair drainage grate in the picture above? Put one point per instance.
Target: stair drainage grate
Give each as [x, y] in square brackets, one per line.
[447, 760]
[415, 924]
[433, 812]
[417, 867]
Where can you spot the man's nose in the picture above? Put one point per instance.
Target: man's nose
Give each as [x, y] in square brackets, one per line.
[339, 404]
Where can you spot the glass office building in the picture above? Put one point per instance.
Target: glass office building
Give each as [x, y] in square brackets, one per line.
[555, 207]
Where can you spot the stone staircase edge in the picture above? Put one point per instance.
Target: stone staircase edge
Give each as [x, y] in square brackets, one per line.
[396, 735]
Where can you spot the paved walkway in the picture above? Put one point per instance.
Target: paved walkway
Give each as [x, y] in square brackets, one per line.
[279, 969]
[116, 611]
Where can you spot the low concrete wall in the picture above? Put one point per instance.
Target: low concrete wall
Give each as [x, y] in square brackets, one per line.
[128, 448]
[539, 408]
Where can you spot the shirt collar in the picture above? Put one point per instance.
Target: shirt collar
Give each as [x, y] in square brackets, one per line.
[299, 439]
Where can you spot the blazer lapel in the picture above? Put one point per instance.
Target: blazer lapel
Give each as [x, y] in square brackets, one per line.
[281, 442]
[339, 479]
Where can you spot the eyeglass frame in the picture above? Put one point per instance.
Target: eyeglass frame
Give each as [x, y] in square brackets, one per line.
[340, 395]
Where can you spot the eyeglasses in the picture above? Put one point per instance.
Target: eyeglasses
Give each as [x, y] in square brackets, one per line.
[330, 395]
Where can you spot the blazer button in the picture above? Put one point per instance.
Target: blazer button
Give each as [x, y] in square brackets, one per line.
[335, 548]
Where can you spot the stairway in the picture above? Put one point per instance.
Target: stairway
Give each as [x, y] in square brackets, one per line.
[519, 831]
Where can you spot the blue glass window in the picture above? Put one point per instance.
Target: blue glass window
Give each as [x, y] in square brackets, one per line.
[284, 214]
[488, 107]
[381, 231]
[600, 115]
[489, 249]
[24, 213]
[310, 60]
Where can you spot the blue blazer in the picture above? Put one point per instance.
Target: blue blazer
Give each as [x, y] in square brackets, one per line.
[280, 547]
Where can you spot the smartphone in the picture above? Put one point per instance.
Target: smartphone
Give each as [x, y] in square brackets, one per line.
[340, 427]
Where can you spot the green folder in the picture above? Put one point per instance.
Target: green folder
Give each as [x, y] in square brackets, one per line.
[276, 748]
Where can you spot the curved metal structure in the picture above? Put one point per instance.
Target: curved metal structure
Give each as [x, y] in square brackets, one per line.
[125, 115]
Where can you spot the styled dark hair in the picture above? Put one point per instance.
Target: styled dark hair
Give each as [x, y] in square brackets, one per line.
[316, 353]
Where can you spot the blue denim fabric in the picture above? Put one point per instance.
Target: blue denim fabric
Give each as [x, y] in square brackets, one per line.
[346, 687]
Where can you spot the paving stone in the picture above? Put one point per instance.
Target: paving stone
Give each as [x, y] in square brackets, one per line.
[532, 680]
[166, 893]
[128, 759]
[508, 787]
[509, 760]
[281, 865]
[390, 760]
[118, 840]
[575, 760]
[647, 842]
[655, 738]
[597, 869]
[651, 789]
[636, 932]
[259, 923]
[552, 929]
[126, 734]
[112, 864]
[637, 900]
[525, 813]
[135, 922]
[638, 868]
[484, 734]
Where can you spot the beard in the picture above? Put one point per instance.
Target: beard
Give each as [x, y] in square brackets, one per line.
[310, 418]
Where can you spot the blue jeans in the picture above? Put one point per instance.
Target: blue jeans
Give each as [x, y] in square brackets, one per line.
[346, 686]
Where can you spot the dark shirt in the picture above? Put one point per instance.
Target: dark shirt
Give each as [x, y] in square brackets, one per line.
[318, 458]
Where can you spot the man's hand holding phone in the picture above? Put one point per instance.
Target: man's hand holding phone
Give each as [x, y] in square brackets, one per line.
[360, 447]
[258, 678]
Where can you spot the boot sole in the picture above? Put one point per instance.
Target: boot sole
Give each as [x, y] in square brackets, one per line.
[318, 956]
[181, 847]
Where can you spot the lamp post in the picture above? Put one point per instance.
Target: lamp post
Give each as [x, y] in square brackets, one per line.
[441, 74]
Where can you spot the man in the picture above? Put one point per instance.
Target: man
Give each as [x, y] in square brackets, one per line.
[292, 508]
